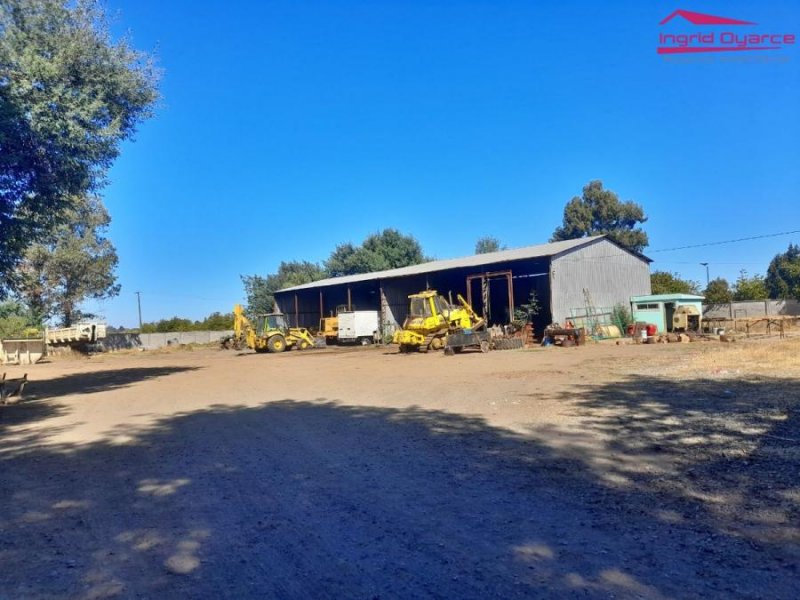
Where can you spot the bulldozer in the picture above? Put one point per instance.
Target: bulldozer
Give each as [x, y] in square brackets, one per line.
[430, 318]
[271, 333]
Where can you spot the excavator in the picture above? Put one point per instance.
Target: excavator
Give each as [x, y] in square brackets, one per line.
[270, 334]
[431, 318]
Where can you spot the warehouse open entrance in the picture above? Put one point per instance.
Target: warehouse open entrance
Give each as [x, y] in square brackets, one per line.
[492, 296]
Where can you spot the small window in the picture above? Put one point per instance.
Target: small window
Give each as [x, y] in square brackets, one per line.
[442, 307]
[647, 307]
[420, 307]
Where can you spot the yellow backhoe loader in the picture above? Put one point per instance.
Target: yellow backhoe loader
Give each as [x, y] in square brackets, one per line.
[430, 318]
[270, 333]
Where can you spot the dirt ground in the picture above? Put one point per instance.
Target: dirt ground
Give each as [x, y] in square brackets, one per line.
[648, 471]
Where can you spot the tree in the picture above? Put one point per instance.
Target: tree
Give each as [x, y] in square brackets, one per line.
[388, 249]
[663, 282]
[69, 96]
[749, 288]
[15, 320]
[260, 291]
[718, 291]
[783, 274]
[488, 244]
[76, 264]
[599, 211]
[216, 322]
[175, 324]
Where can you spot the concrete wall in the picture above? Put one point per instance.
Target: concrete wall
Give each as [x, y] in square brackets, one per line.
[761, 308]
[153, 341]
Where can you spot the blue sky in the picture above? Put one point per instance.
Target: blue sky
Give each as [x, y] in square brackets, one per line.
[289, 127]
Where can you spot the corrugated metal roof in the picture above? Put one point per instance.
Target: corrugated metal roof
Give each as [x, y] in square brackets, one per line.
[476, 260]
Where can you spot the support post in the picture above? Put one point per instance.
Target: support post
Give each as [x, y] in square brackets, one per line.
[139, 303]
[510, 297]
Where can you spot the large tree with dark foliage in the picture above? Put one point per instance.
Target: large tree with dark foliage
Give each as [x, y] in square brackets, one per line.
[388, 249]
[600, 211]
[783, 274]
[718, 291]
[77, 262]
[749, 287]
[664, 282]
[488, 244]
[69, 95]
[260, 291]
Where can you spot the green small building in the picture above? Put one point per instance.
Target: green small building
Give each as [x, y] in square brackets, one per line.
[660, 310]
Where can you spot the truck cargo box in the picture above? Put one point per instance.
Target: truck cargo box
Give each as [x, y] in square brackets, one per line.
[358, 327]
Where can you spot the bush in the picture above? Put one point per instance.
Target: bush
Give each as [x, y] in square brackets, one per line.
[13, 327]
[621, 317]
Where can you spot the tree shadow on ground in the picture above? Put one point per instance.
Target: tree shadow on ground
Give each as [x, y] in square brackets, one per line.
[728, 448]
[96, 381]
[315, 499]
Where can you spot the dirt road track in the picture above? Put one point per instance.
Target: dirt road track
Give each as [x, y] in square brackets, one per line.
[360, 474]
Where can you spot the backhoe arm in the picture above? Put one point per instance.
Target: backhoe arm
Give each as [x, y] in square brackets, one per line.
[477, 322]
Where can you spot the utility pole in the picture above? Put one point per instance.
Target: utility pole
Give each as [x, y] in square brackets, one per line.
[705, 264]
[139, 302]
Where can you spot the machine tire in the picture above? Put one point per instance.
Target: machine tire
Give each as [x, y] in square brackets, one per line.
[277, 343]
[437, 343]
[303, 345]
[485, 347]
[365, 341]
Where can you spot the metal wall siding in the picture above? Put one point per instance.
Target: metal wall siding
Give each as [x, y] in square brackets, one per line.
[611, 275]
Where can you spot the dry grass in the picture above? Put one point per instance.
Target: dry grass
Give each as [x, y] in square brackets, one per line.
[746, 359]
[766, 356]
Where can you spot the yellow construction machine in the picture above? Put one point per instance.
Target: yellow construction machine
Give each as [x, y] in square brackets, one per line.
[430, 318]
[329, 326]
[271, 333]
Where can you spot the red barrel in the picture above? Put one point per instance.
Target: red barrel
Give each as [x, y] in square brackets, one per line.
[651, 330]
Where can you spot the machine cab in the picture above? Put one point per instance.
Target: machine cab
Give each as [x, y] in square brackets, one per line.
[428, 306]
[271, 322]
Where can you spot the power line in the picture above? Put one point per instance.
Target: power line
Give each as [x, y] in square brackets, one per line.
[755, 237]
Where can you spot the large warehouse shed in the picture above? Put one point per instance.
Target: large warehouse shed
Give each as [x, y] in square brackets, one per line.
[567, 277]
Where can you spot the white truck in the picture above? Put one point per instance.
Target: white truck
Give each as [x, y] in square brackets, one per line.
[358, 327]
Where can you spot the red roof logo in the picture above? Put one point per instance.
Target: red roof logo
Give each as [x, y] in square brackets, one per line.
[704, 34]
[696, 18]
